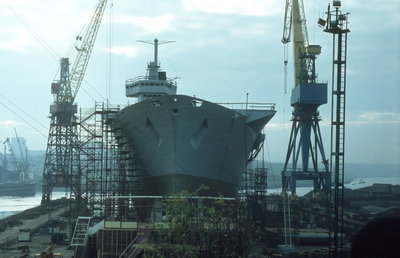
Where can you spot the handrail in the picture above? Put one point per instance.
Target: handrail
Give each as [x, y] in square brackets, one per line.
[250, 105]
[146, 78]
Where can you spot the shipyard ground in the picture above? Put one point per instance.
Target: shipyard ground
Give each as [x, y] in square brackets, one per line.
[37, 245]
[27, 232]
[310, 229]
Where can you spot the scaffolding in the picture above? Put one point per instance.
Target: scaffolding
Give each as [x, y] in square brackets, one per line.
[104, 165]
[95, 159]
[131, 179]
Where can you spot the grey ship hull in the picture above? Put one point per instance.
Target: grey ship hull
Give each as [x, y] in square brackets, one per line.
[183, 142]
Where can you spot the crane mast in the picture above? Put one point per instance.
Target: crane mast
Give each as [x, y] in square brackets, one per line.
[305, 157]
[63, 127]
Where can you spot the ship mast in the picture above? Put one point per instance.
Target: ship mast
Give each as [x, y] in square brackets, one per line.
[153, 66]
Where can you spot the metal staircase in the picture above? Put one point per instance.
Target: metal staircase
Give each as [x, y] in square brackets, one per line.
[80, 235]
[132, 250]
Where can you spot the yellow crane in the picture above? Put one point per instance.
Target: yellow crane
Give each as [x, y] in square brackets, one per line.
[63, 132]
[84, 51]
[295, 30]
[305, 158]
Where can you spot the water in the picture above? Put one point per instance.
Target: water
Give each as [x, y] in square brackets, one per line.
[10, 205]
[353, 184]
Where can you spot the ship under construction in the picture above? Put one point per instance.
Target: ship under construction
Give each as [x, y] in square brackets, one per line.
[122, 167]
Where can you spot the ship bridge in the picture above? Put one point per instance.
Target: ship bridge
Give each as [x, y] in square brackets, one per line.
[142, 87]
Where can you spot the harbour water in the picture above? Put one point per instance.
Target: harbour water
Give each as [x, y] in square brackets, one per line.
[10, 205]
[353, 184]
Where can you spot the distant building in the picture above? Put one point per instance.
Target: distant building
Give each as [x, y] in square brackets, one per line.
[378, 190]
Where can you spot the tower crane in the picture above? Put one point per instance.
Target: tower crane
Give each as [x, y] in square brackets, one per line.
[305, 158]
[58, 168]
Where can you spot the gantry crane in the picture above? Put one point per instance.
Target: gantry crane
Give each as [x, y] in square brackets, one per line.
[59, 168]
[305, 158]
[305, 142]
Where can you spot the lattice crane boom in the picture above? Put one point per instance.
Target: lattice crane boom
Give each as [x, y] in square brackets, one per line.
[295, 29]
[78, 69]
[287, 24]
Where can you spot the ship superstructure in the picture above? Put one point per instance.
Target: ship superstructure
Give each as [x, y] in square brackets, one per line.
[154, 84]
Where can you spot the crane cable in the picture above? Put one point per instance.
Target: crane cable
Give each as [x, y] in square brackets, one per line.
[12, 111]
[110, 44]
[285, 62]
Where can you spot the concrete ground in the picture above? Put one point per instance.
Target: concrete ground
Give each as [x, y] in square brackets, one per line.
[39, 243]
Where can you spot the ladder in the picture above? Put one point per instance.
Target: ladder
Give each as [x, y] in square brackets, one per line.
[338, 139]
[80, 235]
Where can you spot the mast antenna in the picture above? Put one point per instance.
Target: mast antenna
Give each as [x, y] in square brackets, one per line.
[156, 42]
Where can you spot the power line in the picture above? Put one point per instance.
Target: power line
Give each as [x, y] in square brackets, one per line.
[34, 119]
[12, 111]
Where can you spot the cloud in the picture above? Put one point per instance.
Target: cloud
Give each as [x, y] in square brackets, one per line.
[18, 41]
[279, 125]
[9, 123]
[150, 24]
[375, 117]
[249, 7]
[15, 45]
[125, 51]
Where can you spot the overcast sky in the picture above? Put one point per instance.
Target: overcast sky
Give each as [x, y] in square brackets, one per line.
[223, 50]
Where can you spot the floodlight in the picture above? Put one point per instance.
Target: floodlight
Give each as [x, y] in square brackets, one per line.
[321, 22]
[336, 4]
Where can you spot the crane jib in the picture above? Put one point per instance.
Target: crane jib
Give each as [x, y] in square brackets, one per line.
[78, 69]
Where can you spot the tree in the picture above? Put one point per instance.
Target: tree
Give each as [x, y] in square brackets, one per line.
[197, 227]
